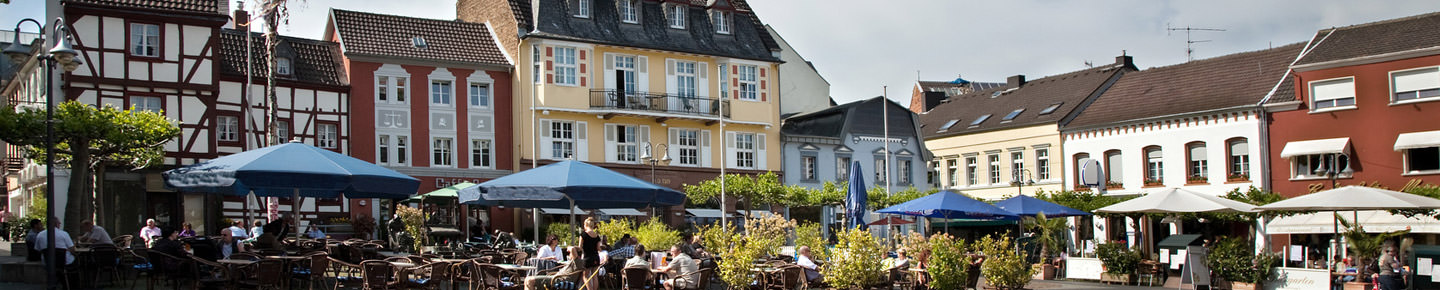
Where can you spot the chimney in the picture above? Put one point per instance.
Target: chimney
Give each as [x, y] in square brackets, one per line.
[224, 9]
[241, 18]
[1125, 60]
[1015, 81]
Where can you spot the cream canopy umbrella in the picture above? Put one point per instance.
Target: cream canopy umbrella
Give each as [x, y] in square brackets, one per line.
[1352, 198]
[1176, 200]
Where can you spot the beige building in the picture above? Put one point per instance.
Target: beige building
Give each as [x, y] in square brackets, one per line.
[1000, 142]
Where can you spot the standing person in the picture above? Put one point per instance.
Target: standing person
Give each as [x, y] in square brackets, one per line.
[590, 248]
[1389, 268]
[35, 229]
[976, 260]
[186, 230]
[5, 217]
[150, 232]
[94, 234]
[396, 226]
[62, 241]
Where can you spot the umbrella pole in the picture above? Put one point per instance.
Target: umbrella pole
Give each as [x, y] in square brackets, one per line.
[296, 212]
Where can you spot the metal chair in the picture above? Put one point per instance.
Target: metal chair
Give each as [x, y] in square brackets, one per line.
[264, 274]
[311, 270]
[377, 275]
[211, 274]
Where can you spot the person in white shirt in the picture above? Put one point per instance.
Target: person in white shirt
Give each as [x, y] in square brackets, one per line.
[62, 241]
[256, 231]
[237, 231]
[812, 271]
[150, 232]
[551, 250]
[227, 242]
[94, 234]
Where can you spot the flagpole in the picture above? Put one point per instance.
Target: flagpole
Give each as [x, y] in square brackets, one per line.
[723, 155]
[885, 115]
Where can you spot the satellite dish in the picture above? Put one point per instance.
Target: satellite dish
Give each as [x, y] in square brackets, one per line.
[1090, 173]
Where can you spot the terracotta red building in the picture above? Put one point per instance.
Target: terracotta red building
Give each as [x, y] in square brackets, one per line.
[429, 98]
[1365, 109]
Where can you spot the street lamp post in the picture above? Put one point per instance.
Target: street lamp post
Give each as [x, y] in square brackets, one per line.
[1330, 172]
[1019, 186]
[62, 54]
[649, 158]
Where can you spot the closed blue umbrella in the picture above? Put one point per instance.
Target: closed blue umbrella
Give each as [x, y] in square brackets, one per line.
[292, 169]
[949, 205]
[557, 185]
[856, 196]
[1025, 205]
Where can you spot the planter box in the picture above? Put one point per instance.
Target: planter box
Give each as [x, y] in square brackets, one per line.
[1243, 286]
[1044, 271]
[1117, 278]
[1357, 286]
[19, 249]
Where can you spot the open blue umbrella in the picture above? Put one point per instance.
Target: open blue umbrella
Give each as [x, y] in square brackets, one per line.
[856, 196]
[949, 205]
[1025, 205]
[558, 185]
[292, 169]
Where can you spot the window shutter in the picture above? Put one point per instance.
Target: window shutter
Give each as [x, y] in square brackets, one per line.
[642, 74]
[670, 83]
[582, 148]
[702, 85]
[609, 74]
[674, 140]
[760, 152]
[545, 140]
[729, 149]
[644, 135]
[584, 73]
[610, 132]
[705, 148]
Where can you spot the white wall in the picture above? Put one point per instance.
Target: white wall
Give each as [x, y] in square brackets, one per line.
[1172, 138]
[802, 89]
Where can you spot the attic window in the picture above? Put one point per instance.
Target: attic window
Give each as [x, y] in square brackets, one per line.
[1051, 108]
[582, 8]
[628, 12]
[949, 124]
[980, 120]
[675, 14]
[1011, 116]
[996, 94]
[282, 66]
[419, 42]
[722, 24]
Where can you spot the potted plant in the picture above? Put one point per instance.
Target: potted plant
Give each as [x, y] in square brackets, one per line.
[1048, 234]
[1114, 185]
[948, 261]
[1196, 180]
[857, 262]
[1154, 182]
[1231, 259]
[1004, 267]
[1119, 263]
[1237, 177]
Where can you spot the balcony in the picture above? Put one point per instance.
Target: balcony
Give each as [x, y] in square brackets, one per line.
[660, 106]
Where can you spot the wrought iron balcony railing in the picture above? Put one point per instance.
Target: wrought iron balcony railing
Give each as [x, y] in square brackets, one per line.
[658, 103]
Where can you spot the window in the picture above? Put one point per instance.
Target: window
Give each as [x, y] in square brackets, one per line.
[626, 65]
[582, 8]
[628, 11]
[1075, 161]
[994, 170]
[144, 40]
[1332, 93]
[1051, 108]
[535, 64]
[1011, 116]
[480, 153]
[282, 66]
[1154, 166]
[948, 124]
[722, 25]
[807, 167]
[382, 88]
[282, 130]
[749, 84]
[881, 169]
[1198, 166]
[1239, 160]
[979, 120]
[565, 66]
[402, 155]
[326, 136]
[1114, 169]
[724, 85]
[676, 14]
[685, 78]
[562, 145]
[1318, 165]
[1422, 160]
[625, 140]
[382, 149]
[442, 151]
[479, 95]
[388, 92]
[1042, 164]
[744, 150]
[687, 144]
[906, 169]
[842, 168]
[952, 172]
[972, 175]
[1017, 166]
[418, 42]
[146, 103]
[440, 92]
[1415, 84]
[227, 128]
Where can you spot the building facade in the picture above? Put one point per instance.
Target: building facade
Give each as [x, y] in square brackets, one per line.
[804, 89]
[925, 95]
[820, 146]
[1005, 141]
[432, 100]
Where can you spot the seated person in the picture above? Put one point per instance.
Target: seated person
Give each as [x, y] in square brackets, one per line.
[545, 281]
[227, 243]
[315, 233]
[169, 243]
[682, 268]
[94, 234]
[812, 270]
[62, 241]
[899, 265]
[638, 261]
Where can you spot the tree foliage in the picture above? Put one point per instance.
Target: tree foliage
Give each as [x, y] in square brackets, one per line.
[1049, 233]
[1004, 268]
[414, 220]
[877, 199]
[763, 189]
[808, 234]
[768, 233]
[857, 261]
[655, 235]
[1363, 245]
[948, 260]
[613, 229]
[1087, 201]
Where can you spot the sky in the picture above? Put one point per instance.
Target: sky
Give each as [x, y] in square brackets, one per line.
[864, 46]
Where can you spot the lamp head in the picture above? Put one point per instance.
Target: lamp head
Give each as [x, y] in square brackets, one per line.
[17, 52]
[1321, 170]
[666, 158]
[62, 52]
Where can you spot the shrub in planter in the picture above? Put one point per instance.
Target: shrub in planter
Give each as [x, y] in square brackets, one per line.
[1117, 258]
[857, 261]
[414, 226]
[1004, 267]
[809, 234]
[563, 232]
[1231, 258]
[769, 232]
[656, 235]
[948, 262]
[613, 229]
[737, 254]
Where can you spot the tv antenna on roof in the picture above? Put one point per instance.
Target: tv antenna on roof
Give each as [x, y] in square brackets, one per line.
[1189, 52]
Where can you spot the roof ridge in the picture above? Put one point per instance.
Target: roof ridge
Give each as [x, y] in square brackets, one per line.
[286, 37]
[1384, 21]
[456, 21]
[1227, 56]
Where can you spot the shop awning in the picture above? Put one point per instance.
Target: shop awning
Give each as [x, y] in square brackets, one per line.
[1311, 147]
[622, 212]
[561, 211]
[704, 213]
[1374, 221]
[1417, 140]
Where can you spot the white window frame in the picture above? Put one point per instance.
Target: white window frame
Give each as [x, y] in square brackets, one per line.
[1311, 160]
[1420, 94]
[563, 147]
[687, 142]
[582, 8]
[1334, 103]
[808, 167]
[625, 63]
[675, 15]
[881, 168]
[629, 13]
[442, 92]
[1017, 165]
[993, 172]
[147, 103]
[566, 67]
[721, 21]
[391, 89]
[627, 143]
[1154, 165]
[842, 167]
[745, 150]
[749, 82]
[392, 153]
[1407, 158]
[972, 170]
[327, 136]
[145, 39]
[442, 151]
[952, 172]
[283, 66]
[482, 153]
[480, 95]
[1197, 166]
[1236, 164]
[1042, 163]
[686, 78]
[282, 130]
[227, 128]
[906, 168]
[535, 72]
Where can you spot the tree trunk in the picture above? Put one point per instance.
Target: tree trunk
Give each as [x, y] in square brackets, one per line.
[99, 198]
[77, 206]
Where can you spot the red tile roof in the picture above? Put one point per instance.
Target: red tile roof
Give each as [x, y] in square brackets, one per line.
[1375, 38]
[1066, 91]
[194, 6]
[384, 35]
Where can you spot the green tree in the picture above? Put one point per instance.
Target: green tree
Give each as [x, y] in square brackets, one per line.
[1048, 233]
[1004, 267]
[877, 199]
[808, 234]
[752, 190]
[90, 139]
[948, 261]
[856, 262]
[1087, 201]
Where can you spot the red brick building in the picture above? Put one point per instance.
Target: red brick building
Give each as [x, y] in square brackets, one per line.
[1367, 103]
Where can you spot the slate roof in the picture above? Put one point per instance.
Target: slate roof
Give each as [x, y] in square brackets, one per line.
[1228, 81]
[747, 38]
[312, 61]
[934, 86]
[192, 6]
[1069, 90]
[858, 117]
[1375, 38]
[523, 18]
[372, 34]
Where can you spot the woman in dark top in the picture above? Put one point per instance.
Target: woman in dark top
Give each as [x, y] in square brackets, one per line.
[590, 253]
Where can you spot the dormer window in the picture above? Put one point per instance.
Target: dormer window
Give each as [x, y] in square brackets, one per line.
[676, 15]
[721, 20]
[282, 66]
[418, 42]
[628, 12]
[582, 8]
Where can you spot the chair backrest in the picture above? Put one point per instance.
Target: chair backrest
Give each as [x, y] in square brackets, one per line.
[319, 263]
[123, 241]
[635, 278]
[792, 276]
[105, 256]
[376, 274]
[704, 279]
[268, 272]
[245, 256]
[490, 275]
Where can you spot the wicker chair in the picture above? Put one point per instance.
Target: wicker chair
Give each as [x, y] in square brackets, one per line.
[788, 277]
[312, 272]
[702, 280]
[173, 269]
[635, 279]
[264, 274]
[492, 277]
[211, 274]
[346, 275]
[105, 259]
[377, 275]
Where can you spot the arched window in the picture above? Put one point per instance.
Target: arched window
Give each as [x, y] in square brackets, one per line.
[1114, 170]
[1076, 163]
[1237, 164]
[1197, 168]
[1154, 166]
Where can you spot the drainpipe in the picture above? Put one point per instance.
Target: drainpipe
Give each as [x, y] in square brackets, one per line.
[1264, 120]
